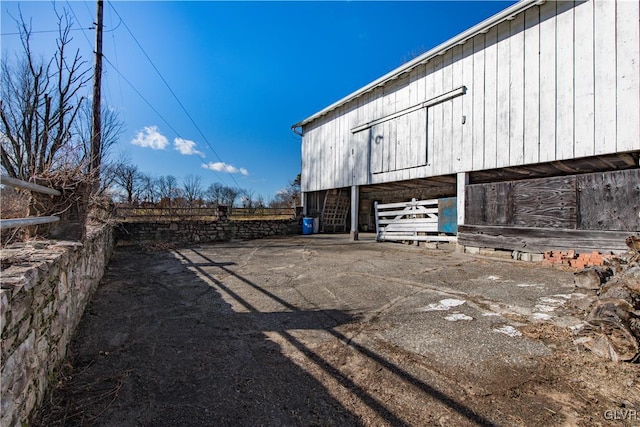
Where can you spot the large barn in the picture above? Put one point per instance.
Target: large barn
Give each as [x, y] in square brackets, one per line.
[530, 120]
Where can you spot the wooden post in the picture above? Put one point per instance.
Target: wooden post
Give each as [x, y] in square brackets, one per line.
[375, 212]
[462, 181]
[355, 202]
[96, 124]
[304, 202]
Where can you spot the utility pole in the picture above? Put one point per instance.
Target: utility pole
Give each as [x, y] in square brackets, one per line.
[96, 123]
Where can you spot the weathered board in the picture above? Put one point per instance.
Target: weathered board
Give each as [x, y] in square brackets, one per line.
[544, 202]
[597, 201]
[609, 201]
[537, 240]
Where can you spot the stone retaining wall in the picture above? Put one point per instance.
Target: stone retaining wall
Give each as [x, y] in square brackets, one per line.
[46, 286]
[197, 231]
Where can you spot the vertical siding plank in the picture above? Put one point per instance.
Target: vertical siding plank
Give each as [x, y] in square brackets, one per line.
[429, 93]
[478, 101]
[380, 135]
[516, 92]
[532, 85]
[605, 76]
[490, 98]
[367, 111]
[377, 149]
[305, 170]
[628, 75]
[447, 115]
[410, 151]
[313, 159]
[345, 149]
[390, 128]
[319, 156]
[403, 100]
[456, 115]
[503, 85]
[548, 81]
[336, 142]
[417, 124]
[421, 79]
[437, 112]
[466, 153]
[420, 138]
[328, 154]
[357, 169]
[564, 76]
[336, 125]
[584, 80]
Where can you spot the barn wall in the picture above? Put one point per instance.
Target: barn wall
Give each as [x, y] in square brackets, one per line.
[607, 201]
[559, 81]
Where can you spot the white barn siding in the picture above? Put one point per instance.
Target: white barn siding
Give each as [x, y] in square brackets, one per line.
[478, 96]
[628, 76]
[531, 79]
[557, 81]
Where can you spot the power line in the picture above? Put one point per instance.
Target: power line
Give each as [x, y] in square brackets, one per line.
[172, 92]
[78, 21]
[115, 54]
[45, 31]
[155, 111]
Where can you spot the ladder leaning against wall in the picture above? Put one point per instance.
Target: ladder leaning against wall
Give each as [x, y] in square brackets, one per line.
[335, 210]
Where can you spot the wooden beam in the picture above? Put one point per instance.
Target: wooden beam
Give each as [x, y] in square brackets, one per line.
[463, 180]
[538, 240]
[355, 203]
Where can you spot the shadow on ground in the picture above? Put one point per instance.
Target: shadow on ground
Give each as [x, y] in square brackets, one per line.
[159, 345]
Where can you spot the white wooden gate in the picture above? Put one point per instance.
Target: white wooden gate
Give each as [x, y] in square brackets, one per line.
[413, 220]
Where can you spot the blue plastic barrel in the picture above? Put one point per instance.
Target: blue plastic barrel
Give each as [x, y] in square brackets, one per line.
[307, 225]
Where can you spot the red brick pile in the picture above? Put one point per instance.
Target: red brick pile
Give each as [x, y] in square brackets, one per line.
[572, 259]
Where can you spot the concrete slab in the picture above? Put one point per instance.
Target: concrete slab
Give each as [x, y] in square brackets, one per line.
[322, 330]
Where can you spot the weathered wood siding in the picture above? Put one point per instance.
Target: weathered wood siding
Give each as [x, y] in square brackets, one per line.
[559, 81]
[607, 201]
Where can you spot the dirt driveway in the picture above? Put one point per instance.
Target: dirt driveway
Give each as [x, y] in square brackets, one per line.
[318, 330]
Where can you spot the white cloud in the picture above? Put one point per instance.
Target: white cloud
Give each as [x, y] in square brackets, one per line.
[150, 137]
[186, 147]
[223, 167]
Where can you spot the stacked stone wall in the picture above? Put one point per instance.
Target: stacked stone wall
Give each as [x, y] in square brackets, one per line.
[45, 288]
[187, 232]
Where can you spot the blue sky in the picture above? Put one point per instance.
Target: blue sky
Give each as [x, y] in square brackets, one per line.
[244, 72]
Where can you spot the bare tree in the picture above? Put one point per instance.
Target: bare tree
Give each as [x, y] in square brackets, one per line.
[247, 198]
[127, 177]
[112, 129]
[147, 188]
[215, 194]
[168, 188]
[288, 196]
[229, 196]
[192, 190]
[40, 103]
[259, 202]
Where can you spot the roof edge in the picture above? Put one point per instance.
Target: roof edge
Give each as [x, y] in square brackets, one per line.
[483, 26]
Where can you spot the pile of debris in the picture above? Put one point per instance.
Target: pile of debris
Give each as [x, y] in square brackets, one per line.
[612, 328]
[572, 259]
